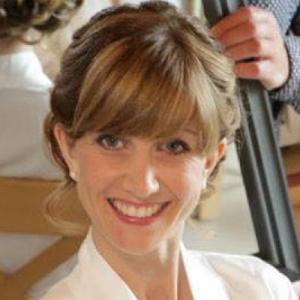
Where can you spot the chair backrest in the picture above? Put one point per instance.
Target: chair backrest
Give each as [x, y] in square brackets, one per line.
[20, 212]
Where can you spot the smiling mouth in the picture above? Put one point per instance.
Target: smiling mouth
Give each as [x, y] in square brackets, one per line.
[138, 212]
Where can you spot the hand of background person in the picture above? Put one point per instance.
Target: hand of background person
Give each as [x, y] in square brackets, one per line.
[251, 37]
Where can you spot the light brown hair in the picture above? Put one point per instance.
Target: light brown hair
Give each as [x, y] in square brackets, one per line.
[142, 70]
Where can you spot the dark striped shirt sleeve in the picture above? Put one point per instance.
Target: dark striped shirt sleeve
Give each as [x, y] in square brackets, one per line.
[287, 14]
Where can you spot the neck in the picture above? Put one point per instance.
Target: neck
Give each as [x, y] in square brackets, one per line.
[9, 46]
[143, 273]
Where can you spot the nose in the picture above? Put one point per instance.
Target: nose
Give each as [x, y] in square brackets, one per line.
[141, 179]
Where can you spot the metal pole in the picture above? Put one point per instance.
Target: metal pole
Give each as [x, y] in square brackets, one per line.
[262, 168]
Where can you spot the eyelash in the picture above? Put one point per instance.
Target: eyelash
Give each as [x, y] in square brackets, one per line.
[102, 140]
[184, 147]
[106, 140]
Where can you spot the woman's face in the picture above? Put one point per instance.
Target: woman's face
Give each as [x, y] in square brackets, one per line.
[138, 192]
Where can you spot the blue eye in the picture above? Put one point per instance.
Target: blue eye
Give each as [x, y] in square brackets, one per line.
[110, 141]
[176, 147]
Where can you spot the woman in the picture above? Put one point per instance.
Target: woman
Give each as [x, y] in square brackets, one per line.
[24, 87]
[141, 114]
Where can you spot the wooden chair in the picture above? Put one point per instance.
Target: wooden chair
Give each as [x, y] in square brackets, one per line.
[20, 212]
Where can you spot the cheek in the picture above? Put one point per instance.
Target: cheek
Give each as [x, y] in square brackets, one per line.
[88, 172]
[87, 184]
[97, 177]
[188, 185]
[194, 177]
[94, 171]
[94, 178]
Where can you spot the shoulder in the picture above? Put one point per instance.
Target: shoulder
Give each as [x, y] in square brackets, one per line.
[230, 264]
[23, 71]
[220, 260]
[243, 274]
[61, 291]
[68, 284]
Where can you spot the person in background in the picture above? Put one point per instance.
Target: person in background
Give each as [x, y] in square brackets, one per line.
[141, 114]
[263, 40]
[52, 46]
[24, 87]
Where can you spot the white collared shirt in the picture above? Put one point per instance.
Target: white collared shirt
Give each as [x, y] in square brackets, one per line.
[211, 277]
[24, 103]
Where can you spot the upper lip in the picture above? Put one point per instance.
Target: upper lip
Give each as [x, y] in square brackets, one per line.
[141, 203]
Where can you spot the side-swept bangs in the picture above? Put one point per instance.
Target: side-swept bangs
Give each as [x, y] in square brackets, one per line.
[133, 96]
[152, 89]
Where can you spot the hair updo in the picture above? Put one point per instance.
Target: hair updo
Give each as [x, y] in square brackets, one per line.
[44, 16]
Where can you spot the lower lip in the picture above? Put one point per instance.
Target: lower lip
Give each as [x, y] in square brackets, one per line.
[138, 221]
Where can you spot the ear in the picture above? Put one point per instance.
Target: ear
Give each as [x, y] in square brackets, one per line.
[216, 156]
[67, 148]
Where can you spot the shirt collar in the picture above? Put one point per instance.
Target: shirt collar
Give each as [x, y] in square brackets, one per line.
[99, 281]
[205, 283]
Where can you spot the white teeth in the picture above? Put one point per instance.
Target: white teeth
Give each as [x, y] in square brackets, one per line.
[148, 211]
[141, 212]
[132, 211]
